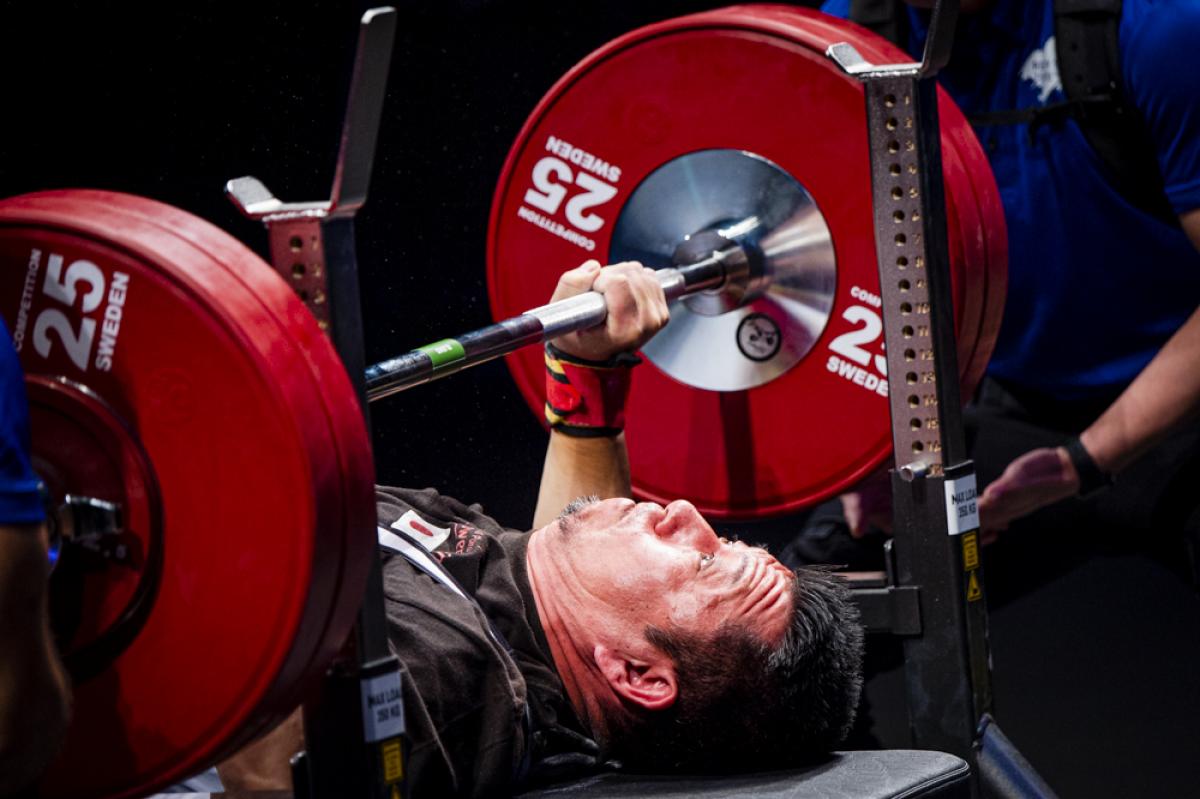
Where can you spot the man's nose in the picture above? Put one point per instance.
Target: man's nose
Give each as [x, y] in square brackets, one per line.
[684, 524]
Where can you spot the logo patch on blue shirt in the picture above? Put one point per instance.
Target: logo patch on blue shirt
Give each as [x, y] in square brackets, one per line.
[1041, 69]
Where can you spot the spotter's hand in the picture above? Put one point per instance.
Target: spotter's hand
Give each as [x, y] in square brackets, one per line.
[637, 308]
[1034, 480]
[869, 506]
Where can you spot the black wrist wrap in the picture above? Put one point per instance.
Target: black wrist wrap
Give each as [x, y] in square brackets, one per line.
[1091, 477]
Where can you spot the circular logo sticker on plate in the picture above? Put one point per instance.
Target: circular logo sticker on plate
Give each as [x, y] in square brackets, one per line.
[758, 337]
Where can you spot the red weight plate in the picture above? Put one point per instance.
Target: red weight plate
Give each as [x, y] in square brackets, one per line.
[994, 232]
[82, 441]
[225, 384]
[338, 589]
[968, 250]
[753, 79]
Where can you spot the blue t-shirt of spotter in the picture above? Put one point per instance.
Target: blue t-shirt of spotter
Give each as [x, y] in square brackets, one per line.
[20, 494]
[1096, 286]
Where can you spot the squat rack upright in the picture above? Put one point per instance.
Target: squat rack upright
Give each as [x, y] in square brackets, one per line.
[934, 597]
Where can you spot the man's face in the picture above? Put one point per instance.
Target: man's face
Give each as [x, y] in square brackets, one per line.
[666, 567]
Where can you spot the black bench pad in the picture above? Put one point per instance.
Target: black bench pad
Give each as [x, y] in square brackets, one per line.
[886, 774]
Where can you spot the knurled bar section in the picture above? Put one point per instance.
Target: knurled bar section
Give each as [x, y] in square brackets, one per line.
[904, 284]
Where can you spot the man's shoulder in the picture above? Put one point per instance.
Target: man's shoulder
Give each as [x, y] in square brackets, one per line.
[1157, 39]
[838, 8]
[393, 503]
[1157, 32]
[1157, 18]
[462, 537]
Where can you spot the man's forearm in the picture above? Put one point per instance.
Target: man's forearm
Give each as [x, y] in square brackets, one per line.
[1159, 400]
[34, 693]
[265, 764]
[577, 467]
[578, 464]
[1162, 397]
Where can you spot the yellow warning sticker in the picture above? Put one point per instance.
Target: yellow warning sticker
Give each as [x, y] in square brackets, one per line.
[970, 544]
[393, 762]
[974, 592]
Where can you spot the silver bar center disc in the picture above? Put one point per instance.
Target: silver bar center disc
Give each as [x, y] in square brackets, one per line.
[753, 202]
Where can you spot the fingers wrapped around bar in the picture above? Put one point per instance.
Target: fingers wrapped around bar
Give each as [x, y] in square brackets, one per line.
[637, 308]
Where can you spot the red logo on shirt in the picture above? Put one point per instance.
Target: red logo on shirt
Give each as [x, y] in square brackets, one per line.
[420, 528]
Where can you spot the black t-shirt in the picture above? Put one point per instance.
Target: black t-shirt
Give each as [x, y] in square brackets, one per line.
[467, 691]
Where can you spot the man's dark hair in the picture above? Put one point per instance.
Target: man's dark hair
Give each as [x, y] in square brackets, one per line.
[745, 705]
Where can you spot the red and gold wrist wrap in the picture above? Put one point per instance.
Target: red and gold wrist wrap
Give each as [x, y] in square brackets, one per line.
[587, 398]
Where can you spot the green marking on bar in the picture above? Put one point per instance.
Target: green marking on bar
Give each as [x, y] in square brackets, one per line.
[444, 352]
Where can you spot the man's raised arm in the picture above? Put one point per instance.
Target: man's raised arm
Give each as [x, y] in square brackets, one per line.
[1163, 397]
[588, 380]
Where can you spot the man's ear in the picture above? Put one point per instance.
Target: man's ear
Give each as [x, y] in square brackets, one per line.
[649, 683]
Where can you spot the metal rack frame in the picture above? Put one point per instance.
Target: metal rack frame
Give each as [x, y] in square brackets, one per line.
[354, 720]
[934, 596]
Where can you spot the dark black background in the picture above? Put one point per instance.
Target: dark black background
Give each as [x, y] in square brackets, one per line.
[1095, 676]
[172, 100]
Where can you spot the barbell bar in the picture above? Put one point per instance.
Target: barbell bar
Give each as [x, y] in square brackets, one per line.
[727, 265]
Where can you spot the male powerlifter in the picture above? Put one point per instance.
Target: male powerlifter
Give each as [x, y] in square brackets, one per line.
[615, 631]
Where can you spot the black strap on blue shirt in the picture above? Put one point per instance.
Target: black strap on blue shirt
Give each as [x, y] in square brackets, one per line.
[1086, 36]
